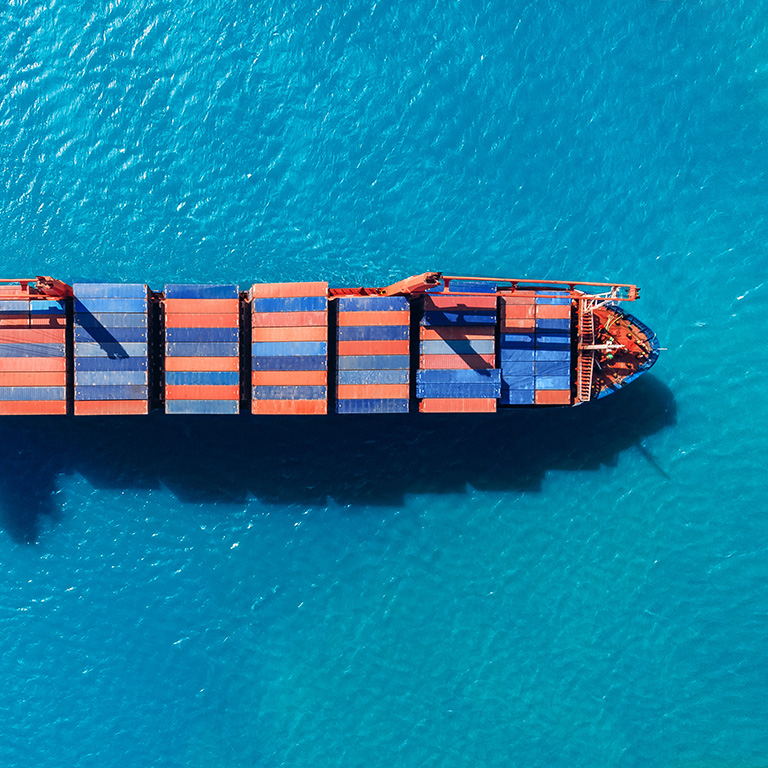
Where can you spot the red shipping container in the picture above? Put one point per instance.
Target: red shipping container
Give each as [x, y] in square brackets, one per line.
[519, 297]
[448, 301]
[288, 378]
[509, 310]
[553, 311]
[14, 321]
[24, 364]
[454, 333]
[33, 379]
[177, 320]
[47, 321]
[202, 363]
[32, 336]
[458, 362]
[375, 318]
[306, 333]
[373, 347]
[288, 319]
[202, 306]
[457, 405]
[553, 397]
[373, 391]
[111, 407]
[202, 392]
[289, 407]
[33, 407]
[286, 290]
[515, 325]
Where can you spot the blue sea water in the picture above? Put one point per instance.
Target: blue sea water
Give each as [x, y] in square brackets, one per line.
[571, 588]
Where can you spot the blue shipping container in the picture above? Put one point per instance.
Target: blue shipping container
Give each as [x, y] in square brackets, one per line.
[468, 317]
[94, 378]
[457, 347]
[32, 393]
[372, 303]
[14, 307]
[552, 354]
[201, 349]
[517, 368]
[288, 363]
[281, 348]
[90, 306]
[45, 307]
[372, 406]
[515, 355]
[372, 362]
[553, 324]
[110, 335]
[111, 392]
[111, 364]
[289, 392]
[111, 320]
[227, 407]
[110, 349]
[202, 334]
[110, 290]
[31, 350]
[553, 342]
[201, 291]
[490, 390]
[290, 304]
[392, 376]
[446, 376]
[518, 381]
[553, 382]
[466, 286]
[372, 332]
[201, 378]
[556, 300]
[517, 397]
[553, 368]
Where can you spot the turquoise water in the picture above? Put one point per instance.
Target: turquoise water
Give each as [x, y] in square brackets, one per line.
[575, 588]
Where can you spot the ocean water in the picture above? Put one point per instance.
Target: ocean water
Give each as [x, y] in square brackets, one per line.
[571, 588]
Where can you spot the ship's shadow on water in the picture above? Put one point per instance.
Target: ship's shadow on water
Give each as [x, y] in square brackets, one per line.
[369, 460]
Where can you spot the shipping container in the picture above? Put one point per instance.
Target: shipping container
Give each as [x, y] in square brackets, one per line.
[373, 303]
[289, 304]
[470, 317]
[280, 290]
[474, 362]
[204, 320]
[282, 378]
[372, 333]
[453, 376]
[288, 363]
[471, 286]
[448, 332]
[517, 396]
[33, 407]
[112, 320]
[111, 407]
[289, 407]
[309, 333]
[213, 407]
[181, 363]
[114, 349]
[442, 302]
[32, 393]
[371, 391]
[372, 348]
[201, 349]
[87, 306]
[386, 376]
[202, 392]
[289, 393]
[202, 306]
[451, 390]
[193, 334]
[289, 319]
[103, 378]
[110, 335]
[201, 378]
[457, 405]
[31, 350]
[397, 317]
[111, 392]
[32, 364]
[372, 406]
[553, 397]
[201, 291]
[111, 364]
[110, 290]
[288, 348]
[372, 362]
[458, 347]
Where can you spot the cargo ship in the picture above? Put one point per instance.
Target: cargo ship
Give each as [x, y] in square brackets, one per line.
[431, 343]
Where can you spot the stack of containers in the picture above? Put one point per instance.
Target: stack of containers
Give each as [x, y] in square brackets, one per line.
[289, 345]
[202, 349]
[110, 349]
[552, 350]
[372, 363]
[458, 354]
[33, 365]
[535, 349]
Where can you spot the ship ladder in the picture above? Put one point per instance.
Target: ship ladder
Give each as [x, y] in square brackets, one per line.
[586, 366]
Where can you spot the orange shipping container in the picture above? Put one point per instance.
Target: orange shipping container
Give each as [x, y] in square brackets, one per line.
[373, 347]
[451, 333]
[553, 311]
[32, 407]
[286, 290]
[553, 397]
[289, 407]
[289, 378]
[202, 392]
[375, 391]
[111, 407]
[202, 306]
[306, 333]
[457, 405]
[47, 321]
[23, 364]
[33, 379]
[225, 320]
[517, 310]
[519, 297]
[202, 364]
[14, 321]
[458, 362]
[32, 336]
[515, 325]
[375, 318]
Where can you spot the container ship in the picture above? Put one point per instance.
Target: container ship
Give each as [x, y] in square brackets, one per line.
[431, 343]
